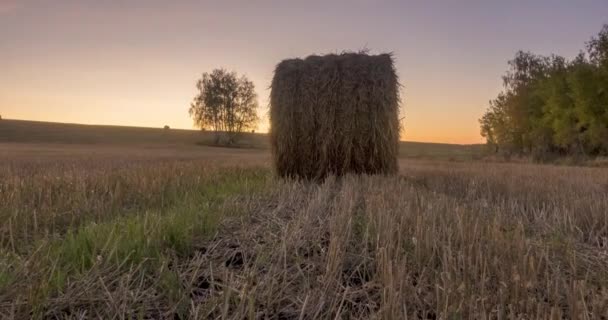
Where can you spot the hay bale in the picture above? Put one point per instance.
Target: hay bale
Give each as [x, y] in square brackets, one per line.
[335, 114]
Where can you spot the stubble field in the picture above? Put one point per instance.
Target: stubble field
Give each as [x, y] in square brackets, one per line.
[156, 231]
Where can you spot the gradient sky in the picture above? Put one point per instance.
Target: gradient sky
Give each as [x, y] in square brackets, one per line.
[136, 62]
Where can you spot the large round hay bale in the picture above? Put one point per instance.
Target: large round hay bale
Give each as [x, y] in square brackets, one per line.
[335, 114]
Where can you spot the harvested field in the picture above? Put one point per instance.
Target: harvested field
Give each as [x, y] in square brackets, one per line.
[215, 235]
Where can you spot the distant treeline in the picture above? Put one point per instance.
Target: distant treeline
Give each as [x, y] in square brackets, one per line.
[552, 106]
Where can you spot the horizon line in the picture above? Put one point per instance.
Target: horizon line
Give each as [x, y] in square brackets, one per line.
[194, 129]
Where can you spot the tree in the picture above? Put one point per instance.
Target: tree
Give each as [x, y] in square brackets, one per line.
[226, 104]
[597, 106]
[552, 106]
[589, 106]
[598, 49]
[512, 123]
[558, 118]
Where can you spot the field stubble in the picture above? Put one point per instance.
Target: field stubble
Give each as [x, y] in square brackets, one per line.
[160, 238]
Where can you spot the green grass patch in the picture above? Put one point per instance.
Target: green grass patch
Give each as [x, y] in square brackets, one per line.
[148, 239]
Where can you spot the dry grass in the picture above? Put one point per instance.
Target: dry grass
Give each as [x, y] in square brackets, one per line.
[489, 241]
[43, 200]
[21, 131]
[29, 139]
[335, 114]
[158, 238]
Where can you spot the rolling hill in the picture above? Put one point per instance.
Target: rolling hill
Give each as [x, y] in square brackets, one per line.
[22, 131]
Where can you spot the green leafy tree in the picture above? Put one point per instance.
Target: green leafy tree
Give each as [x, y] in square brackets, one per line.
[598, 49]
[225, 104]
[597, 103]
[495, 126]
[513, 118]
[552, 106]
[590, 109]
[558, 118]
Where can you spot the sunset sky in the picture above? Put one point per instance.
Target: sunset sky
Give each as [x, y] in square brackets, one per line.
[136, 62]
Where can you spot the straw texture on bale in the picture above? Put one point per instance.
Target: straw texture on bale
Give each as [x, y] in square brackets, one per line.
[335, 114]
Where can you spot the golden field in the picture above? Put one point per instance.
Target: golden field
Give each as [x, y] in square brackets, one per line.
[126, 223]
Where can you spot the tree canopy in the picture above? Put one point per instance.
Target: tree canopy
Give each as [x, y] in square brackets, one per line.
[225, 103]
[551, 105]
